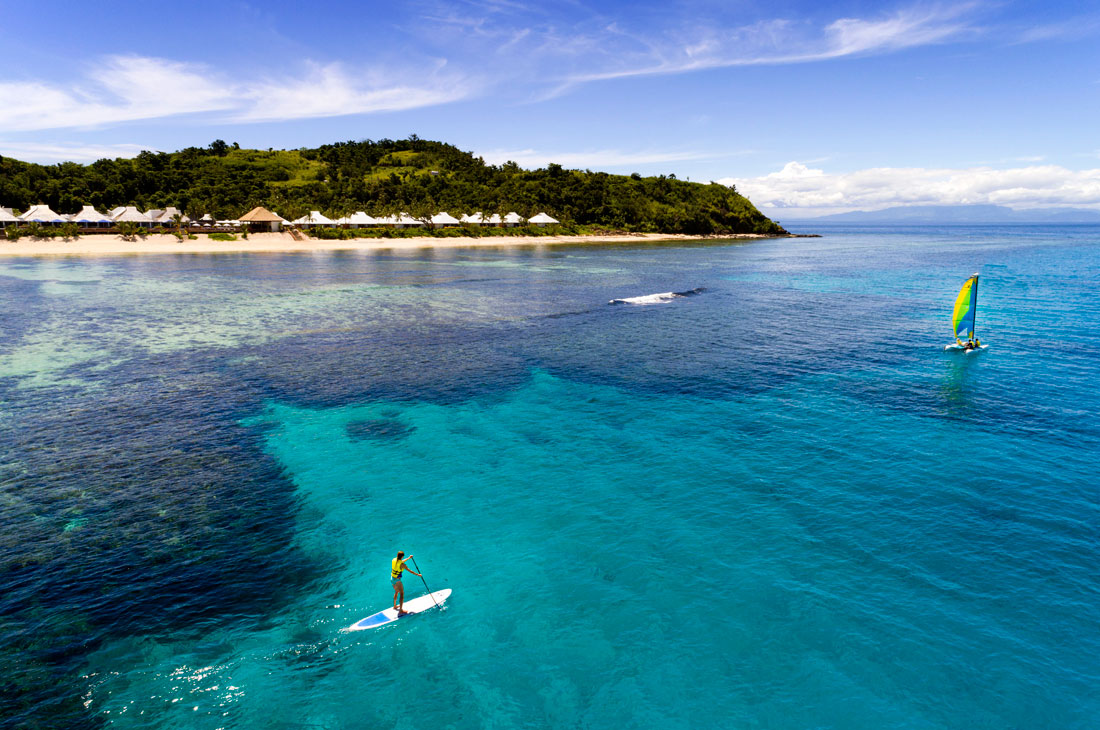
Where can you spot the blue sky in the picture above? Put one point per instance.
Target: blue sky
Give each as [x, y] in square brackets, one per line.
[809, 107]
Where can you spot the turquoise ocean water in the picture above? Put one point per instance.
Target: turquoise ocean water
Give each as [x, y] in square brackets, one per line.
[773, 503]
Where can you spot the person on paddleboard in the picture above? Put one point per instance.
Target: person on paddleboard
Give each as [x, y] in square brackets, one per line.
[397, 567]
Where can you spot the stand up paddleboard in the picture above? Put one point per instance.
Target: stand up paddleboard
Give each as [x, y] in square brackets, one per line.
[415, 606]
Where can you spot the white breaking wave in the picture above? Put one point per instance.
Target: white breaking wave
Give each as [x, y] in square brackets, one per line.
[661, 298]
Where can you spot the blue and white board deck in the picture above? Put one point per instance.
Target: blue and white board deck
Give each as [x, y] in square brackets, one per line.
[959, 348]
[415, 606]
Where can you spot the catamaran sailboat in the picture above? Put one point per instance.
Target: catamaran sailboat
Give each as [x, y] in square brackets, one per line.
[964, 316]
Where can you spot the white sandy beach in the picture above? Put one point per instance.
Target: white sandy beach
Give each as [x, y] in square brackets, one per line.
[108, 245]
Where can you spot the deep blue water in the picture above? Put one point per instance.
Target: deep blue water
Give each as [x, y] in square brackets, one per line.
[776, 503]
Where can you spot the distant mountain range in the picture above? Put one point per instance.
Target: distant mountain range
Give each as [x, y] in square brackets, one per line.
[937, 214]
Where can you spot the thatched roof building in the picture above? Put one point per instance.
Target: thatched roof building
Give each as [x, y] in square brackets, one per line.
[262, 218]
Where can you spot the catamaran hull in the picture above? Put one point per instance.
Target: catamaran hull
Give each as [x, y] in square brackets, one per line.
[959, 348]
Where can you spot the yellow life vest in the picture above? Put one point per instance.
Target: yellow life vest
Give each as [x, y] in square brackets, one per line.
[396, 568]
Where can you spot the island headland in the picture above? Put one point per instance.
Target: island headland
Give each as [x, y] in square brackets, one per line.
[349, 195]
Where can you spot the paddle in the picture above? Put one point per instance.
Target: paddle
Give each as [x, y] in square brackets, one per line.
[429, 590]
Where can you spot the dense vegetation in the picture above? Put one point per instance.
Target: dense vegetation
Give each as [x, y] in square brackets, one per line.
[381, 177]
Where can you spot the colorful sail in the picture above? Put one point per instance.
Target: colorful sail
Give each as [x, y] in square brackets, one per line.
[966, 309]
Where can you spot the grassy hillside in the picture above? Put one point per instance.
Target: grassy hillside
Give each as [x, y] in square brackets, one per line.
[380, 177]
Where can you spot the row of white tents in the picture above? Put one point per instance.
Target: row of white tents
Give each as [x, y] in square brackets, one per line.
[360, 219]
[89, 217]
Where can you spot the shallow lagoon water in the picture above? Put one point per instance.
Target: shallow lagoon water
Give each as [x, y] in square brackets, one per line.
[774, 504]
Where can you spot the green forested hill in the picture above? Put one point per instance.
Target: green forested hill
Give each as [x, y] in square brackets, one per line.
[380, 177]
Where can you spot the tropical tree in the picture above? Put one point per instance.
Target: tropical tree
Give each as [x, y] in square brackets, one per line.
[129, 229]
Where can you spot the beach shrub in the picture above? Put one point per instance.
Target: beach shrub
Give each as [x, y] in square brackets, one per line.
[14, 233]
[68, 231]
[333, 234]
[222, 237]
[192, 237]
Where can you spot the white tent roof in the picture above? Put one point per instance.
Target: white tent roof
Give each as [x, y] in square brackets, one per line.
[444, 219]
[88, 214]
[513, 218]
[131, 214]
[7, 217]
[166, 216]
[359, 218]
[475, 218]
[542, 218]
[115, 211]
[42, 214]
[494, 218]
[388, 220]
[405, 220]
[314, 219]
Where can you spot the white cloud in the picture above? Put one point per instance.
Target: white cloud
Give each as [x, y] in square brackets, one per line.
[130, 88]
[593, 159]
[121, 89]
[799, 189]
[43, 152]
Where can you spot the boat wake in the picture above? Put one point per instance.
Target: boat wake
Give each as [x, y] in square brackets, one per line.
[661, 298]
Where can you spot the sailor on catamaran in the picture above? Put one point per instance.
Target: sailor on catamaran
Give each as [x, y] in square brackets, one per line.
[397, 566]
[964, 316]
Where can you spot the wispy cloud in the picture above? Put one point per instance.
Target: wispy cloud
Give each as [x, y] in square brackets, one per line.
[782, 41]
[131, 88]
[799, 188]
[330, 90]
[1072, 29]
[68, 151]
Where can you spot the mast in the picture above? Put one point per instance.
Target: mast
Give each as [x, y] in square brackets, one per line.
[974, 313]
